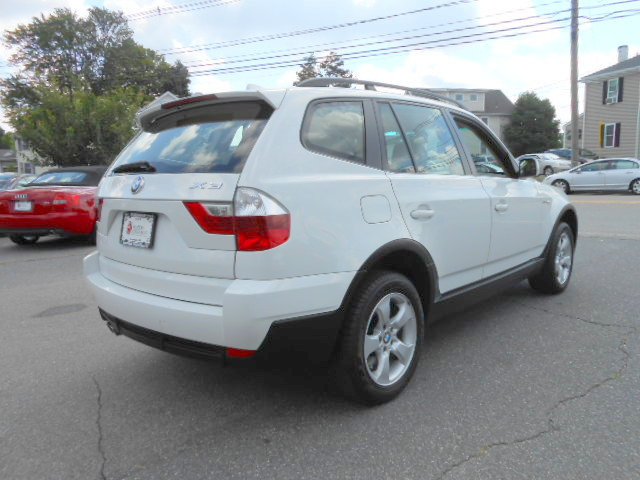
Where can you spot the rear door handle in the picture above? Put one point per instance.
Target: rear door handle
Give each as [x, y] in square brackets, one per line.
[501, 207]
[422, 214]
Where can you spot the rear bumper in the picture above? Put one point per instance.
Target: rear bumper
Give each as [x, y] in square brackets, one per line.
[62, 223]
[295, 314]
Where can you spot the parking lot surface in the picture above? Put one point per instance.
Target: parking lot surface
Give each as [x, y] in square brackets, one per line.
[522, 386]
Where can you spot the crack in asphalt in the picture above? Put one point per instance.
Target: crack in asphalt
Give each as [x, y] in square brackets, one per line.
[551, 427]
[100, 435]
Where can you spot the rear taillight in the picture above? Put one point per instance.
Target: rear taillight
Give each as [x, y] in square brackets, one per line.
[99, 203]
[258, 221]
[65, 200]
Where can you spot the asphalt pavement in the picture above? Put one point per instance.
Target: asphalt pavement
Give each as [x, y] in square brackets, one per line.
[522, 386]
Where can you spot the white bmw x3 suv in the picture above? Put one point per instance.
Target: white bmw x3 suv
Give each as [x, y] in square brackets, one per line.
[328, 222]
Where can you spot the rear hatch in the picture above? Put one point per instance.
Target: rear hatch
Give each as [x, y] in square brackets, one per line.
[195, 152]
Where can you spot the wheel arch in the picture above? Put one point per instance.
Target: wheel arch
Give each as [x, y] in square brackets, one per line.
[569, 216]
[404, 256]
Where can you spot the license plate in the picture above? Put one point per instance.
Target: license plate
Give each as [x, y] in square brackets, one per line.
[23, 206]
[138, 229]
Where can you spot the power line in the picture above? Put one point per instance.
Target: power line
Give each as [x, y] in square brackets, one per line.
[182, 8]
[232, 43]
[460, 40]
[334, 45]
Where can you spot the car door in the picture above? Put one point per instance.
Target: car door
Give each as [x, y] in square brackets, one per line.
[619, 174]
[517, 206]
[589, 176]
[444, 207]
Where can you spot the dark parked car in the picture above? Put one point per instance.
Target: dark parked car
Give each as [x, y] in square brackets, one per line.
[584, 155]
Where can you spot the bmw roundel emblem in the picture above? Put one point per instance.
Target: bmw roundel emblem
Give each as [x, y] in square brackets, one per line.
[137, 185]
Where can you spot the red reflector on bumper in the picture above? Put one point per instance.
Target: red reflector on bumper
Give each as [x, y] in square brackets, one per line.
[239, 353]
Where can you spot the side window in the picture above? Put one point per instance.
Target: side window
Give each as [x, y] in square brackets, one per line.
[335, 129]
[398, 157]
[625, 164]
[593, 167]
[430, 141]
[482, 151]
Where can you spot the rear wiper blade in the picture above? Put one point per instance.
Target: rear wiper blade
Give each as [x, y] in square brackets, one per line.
[135, 167]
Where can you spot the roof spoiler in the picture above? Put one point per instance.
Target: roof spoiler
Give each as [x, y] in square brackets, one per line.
[147, 117]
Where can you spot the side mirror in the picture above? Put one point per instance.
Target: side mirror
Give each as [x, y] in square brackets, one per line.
[529, 168]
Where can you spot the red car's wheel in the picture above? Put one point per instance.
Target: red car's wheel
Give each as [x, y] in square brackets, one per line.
[24, 239]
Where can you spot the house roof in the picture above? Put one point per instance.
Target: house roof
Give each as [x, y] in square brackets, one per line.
[632, 63]
[495, 101]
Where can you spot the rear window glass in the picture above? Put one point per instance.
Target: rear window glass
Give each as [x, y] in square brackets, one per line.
[61, 178]
[212, 139]
[336, 129]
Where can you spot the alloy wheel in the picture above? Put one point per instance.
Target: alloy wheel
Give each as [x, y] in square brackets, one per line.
[390, 339]
[563, 259]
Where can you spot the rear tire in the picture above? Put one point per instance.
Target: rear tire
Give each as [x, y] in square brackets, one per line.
[635, 186]
[24, 239]
[563, 184]
[548, 171]
[379, 344]
[91, 238]
[558, 266]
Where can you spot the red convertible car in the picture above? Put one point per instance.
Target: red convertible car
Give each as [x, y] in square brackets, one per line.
[58, 202]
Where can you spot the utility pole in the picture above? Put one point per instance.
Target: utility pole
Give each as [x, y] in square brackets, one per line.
[575, 149]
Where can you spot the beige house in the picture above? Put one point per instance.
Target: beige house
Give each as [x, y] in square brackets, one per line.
[611, 125]
[491, 106]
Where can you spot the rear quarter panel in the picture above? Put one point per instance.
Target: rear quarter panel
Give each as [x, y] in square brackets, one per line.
[323, 194]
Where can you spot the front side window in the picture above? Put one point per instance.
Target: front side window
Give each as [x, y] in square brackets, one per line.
[593, 167]
[482, 151]
[336, 129]
[609, 134]
[612, 90]
[430, 141]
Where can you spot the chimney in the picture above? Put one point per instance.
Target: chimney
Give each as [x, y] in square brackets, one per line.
[623, 53]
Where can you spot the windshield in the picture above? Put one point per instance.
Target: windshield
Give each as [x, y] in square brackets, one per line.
[60, 178]
[206, 140]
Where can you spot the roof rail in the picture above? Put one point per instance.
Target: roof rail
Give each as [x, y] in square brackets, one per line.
[371, 85]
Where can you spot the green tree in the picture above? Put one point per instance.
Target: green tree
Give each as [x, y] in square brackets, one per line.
[331, 65]
[81, 82]
[79, 129]
[309, 69]
[533, 127]
[6, 140]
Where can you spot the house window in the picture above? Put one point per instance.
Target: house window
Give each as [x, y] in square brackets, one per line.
[473, 97]
[609, 135]
[612, 90]
[459, 97]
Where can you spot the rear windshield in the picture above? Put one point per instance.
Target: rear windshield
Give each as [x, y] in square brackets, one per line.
[61, 178]
[212, 139]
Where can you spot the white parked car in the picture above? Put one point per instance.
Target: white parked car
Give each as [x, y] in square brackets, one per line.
[325, 222]
[621, 174]
[550, 163]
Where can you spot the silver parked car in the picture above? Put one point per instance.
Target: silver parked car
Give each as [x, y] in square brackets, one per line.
[606, 174]
[549, 163]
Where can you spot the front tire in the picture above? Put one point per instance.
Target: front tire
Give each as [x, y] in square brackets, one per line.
[24, 239]
[563, 184]
[635, 186]
[558, 266]
[381, 339]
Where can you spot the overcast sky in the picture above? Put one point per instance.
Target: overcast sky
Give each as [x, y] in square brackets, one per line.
[538, 62]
